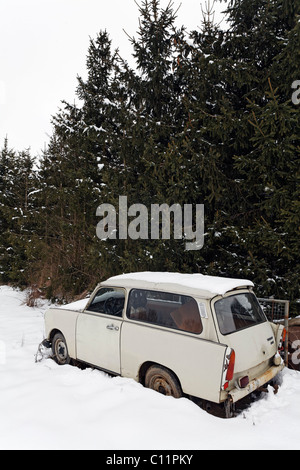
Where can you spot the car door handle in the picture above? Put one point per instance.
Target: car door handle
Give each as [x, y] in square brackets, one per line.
[112, 327]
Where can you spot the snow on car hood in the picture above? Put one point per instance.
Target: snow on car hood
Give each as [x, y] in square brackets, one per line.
[77, 306]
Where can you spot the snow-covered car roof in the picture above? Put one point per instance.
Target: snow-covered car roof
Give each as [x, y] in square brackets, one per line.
[197, 284]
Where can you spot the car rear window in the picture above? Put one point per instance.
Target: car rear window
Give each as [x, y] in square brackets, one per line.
[165, 309]
[237, 312]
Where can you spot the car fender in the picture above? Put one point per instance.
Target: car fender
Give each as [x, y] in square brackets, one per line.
[63, 320]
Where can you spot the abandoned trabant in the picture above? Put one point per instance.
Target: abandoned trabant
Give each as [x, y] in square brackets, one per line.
[180, 334]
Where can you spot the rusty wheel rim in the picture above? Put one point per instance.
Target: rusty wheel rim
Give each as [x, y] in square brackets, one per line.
[159, 384]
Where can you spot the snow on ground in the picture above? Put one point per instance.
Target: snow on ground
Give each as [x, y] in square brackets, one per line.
[46, 406]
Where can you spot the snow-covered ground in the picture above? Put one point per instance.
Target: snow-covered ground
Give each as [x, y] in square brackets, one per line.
[46, 406]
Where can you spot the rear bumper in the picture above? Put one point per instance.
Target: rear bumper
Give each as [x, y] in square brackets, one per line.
[238, 393]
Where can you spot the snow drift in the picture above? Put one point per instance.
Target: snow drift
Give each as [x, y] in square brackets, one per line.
[46, 406]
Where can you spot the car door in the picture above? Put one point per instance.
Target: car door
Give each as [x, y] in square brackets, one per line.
[98, 329]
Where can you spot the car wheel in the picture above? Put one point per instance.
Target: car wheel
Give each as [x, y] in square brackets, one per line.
[162, 380]
[60, 349]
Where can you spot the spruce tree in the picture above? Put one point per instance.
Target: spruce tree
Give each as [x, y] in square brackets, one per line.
[262, 43]
[18, 184]
[71, 175]
[156, 106]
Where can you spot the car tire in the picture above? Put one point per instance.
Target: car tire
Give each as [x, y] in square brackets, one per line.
[163, 380]
[60, 350]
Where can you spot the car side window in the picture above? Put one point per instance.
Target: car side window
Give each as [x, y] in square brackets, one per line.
[108, 300]
[165, 309]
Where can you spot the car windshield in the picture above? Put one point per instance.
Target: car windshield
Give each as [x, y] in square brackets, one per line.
[109, 301]
[237, 312]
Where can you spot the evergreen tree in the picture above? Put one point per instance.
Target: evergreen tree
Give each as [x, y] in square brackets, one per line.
[67, 223]
[17, 210]
[157, 111]
[72, 175]
[263, 38]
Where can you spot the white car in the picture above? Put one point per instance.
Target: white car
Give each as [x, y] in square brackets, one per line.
[180, 334]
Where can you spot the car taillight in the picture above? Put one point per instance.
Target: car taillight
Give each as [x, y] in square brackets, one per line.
[283, 335]
[230, 370]
[228, 367]
[282, 340]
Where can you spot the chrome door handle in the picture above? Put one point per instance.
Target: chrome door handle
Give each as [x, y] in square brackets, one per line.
[112, 327]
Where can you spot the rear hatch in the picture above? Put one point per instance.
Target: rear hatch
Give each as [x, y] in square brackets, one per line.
[243, 327]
